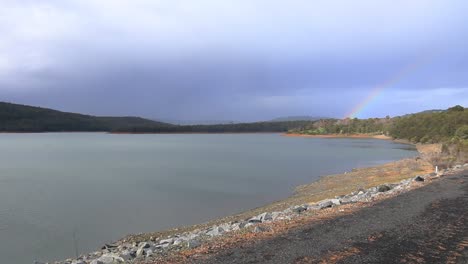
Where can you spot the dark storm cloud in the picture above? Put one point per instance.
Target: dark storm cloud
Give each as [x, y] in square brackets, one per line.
[233, 60]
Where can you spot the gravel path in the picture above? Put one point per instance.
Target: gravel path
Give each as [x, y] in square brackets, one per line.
[426, 225]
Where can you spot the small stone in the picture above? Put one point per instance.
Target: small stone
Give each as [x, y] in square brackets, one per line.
[193, 243]
[96, 261]
[78, 262]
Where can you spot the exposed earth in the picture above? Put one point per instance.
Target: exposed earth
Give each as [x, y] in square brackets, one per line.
[426, 225]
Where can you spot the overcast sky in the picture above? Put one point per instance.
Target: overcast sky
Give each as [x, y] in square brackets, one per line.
[234, 60]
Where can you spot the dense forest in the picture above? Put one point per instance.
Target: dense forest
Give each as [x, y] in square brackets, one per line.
[424, 127]
[271, 126]
[22, 118]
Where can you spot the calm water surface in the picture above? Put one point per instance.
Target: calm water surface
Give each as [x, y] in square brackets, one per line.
[101, 187]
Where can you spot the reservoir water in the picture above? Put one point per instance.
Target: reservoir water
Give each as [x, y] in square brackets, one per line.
[92, 188]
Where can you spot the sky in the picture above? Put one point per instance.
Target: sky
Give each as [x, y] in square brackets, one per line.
[242, 60]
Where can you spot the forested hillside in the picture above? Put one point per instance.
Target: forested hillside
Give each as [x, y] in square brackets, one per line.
[222, 128]
[424, 127]
[22, 118]
[432, 127]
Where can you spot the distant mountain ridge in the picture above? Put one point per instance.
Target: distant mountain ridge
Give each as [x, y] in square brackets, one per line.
[297, 118]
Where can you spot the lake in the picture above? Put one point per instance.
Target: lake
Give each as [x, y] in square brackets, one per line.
[98, 187]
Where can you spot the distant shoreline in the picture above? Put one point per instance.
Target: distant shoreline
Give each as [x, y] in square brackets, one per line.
[339, 136]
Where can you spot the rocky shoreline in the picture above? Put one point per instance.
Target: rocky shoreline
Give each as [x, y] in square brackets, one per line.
[157, 248]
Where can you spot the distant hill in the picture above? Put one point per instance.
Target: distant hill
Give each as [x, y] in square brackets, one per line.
[297, 118]
[197, 122]
[425, 112]
[23, 118]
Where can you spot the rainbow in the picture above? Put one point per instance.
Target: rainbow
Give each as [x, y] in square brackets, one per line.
[378, 89]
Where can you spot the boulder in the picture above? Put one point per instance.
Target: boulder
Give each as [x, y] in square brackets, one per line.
[96, 261]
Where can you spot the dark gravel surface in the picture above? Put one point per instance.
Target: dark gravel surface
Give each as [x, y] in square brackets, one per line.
[426, 225]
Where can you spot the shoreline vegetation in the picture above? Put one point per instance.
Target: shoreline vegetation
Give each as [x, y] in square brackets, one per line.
[371, 136]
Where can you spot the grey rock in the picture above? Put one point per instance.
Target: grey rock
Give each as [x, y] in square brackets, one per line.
[96, 261]
[111, 259]
[149, 252]
[193, 243]
[275, 215]
[140, 252]
[178, 241]
[325, 204]
[127, 255]
[144, 245]
[215, 231]
[265, 217]
[78, 262]
[299, 209]
[167, 241]
[255, 219]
